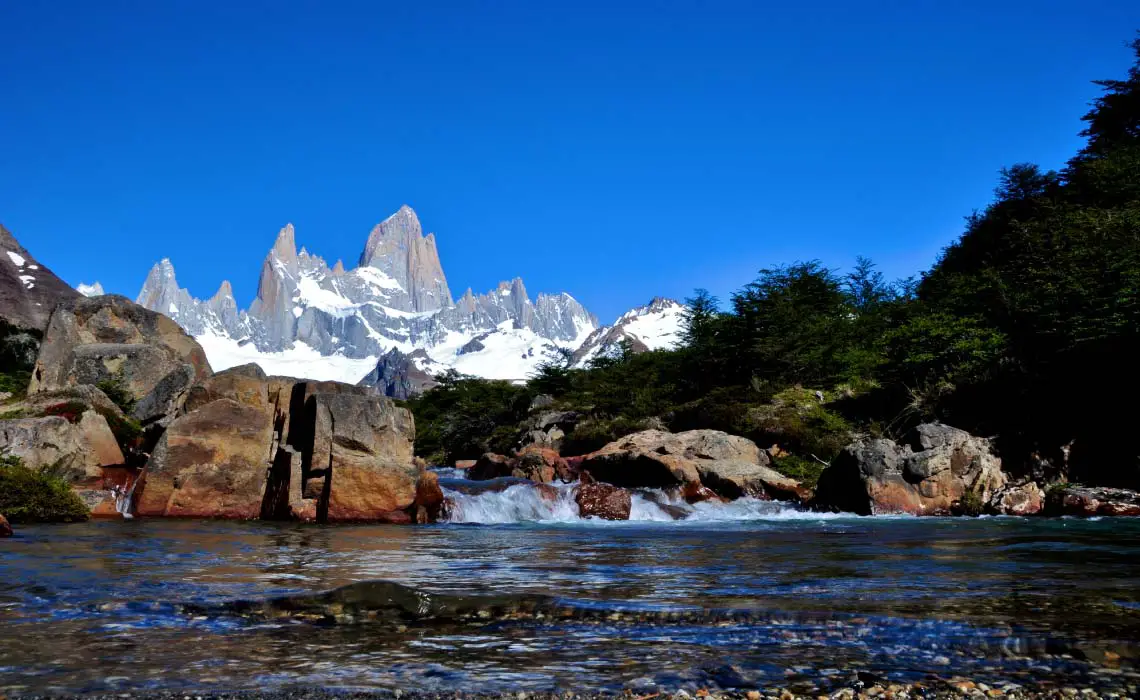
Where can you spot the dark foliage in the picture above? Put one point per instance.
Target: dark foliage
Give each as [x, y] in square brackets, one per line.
[28, 496]
[1026, 328]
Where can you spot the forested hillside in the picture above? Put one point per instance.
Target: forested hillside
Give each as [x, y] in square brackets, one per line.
[1027, 329]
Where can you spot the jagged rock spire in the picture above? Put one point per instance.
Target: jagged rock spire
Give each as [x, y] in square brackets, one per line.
[398, 248]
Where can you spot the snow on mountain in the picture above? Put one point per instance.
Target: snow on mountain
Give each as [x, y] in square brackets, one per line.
[656, 326]
[90, 290]
[335, 323]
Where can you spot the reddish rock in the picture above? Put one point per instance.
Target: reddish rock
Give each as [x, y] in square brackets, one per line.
[363, 444]
[927, 475]
[1089, 501]
[545, 462]
[429, 498]
[696, 493]
[210, 463]
[465, 463]
[602, 500]
[5, 528]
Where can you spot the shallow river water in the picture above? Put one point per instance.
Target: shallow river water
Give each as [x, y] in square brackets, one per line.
[803, 600]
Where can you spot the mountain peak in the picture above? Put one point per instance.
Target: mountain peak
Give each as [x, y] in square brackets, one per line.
[397, 247]
[90, 290]
[225, 291]
[285, 247]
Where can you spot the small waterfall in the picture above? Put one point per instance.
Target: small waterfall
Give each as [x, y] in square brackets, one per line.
[125, 496]
[527, 502]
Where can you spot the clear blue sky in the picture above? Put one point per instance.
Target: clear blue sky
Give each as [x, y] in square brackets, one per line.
[615, 150]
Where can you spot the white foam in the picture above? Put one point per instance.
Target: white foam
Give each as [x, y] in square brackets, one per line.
[523, 503]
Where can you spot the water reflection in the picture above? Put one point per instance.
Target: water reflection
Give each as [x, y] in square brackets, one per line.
[92, 604]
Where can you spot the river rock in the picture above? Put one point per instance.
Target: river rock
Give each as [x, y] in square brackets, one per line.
[602, 500]
[1089, 501]
[1019, 499]
[5, 528]
[111, 339]
[729, 465]
[429, 498]
[490, 466]
[364, 446]
[926, 475]
[210, 463]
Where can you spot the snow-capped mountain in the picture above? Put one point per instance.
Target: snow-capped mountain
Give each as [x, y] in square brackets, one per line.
[656, 326]
[332, 323]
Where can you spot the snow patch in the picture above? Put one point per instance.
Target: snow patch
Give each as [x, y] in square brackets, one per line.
[90, 290]
[301, 361]
[17, 259]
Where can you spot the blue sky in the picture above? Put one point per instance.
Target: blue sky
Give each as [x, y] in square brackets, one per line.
[613, 150]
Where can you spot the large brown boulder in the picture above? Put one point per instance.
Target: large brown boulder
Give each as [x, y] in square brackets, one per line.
[112, 340]
[932, 473]
[210, 463]
[363, 446]
[75, 446]
[5, 528]
[729, 465]
[246, 384]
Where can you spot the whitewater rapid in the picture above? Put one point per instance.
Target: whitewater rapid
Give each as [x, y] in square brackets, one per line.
[523, 503]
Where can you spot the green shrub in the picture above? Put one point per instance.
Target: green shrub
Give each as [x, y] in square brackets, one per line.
[969, 504]
[117, 391]
[28, 496]
[803, 469]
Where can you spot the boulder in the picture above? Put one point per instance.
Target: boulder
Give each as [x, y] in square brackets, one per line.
[74, 446]
[112, 339]
[165, 400]
[602, 500]
[1089, 501]
[429, 498]
[929, 474]
[362, 452]
[535, 461]
[5, 528]
[247, 385]
[490, 466]
[733, 479]
[538, 464]
[729, 465]
[210, 463]
[1019, 499]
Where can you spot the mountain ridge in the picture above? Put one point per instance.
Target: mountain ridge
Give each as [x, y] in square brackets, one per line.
[396, 299]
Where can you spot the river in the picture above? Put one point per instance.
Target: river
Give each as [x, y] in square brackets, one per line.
[806, 600]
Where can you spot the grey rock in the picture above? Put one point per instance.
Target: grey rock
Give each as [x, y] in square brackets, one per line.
[399, 375]
[91, 340]
[929, 474]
